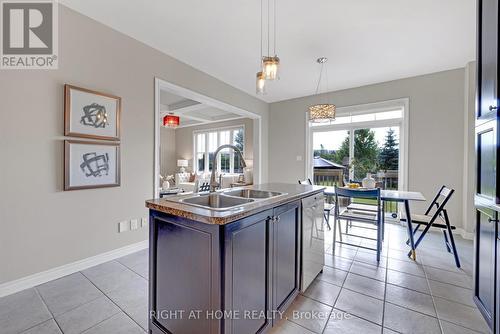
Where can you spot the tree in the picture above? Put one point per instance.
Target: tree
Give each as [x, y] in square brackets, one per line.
[238, 139]
[342, 154]
[365, 153]
[389, 154]
[238, 142]
[325, 154]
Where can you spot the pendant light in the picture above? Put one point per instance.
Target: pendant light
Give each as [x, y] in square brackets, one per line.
[261, 83]
[270, 64]
[322, 112]
[260, 79]
[171, 121]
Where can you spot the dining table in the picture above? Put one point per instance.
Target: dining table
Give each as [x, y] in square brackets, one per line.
[398, 196]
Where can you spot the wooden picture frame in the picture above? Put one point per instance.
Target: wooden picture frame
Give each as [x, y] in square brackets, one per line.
[91, 114]
[86, 163]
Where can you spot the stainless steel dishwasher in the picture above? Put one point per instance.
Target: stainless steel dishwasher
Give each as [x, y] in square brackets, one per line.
[313, 240]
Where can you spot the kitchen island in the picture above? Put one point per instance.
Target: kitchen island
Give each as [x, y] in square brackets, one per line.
[227, 262]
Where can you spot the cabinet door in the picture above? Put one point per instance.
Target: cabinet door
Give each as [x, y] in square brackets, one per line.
[497, 308]
[247, 268]
[184, 275]
[488, 56]
[286, 251]
[487, 161]
[484, 276]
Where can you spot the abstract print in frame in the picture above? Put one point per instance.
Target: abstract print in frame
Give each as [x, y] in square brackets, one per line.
[90, 165]
[91, 114]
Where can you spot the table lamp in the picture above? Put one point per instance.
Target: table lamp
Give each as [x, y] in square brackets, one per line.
[182, 164]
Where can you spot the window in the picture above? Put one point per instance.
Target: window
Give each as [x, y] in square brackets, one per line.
[207, 142]
[363, 117]
[200, 151]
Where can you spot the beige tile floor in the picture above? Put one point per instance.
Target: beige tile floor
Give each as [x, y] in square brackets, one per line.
[397, 295]
[353, 295]
[106, 299]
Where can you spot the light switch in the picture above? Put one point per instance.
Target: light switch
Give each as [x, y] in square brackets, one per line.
[299, 158]
[134, 224]
[123, 226]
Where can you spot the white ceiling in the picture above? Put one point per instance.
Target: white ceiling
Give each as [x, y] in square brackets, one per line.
[366, 41]
[192, 112]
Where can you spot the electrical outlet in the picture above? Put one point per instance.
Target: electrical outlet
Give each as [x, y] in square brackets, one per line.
[134, 224]
[144, 222]
[123, 226]
[299, 158]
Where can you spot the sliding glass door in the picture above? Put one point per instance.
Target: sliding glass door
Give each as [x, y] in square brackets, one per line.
[358, 146]
[376, 153]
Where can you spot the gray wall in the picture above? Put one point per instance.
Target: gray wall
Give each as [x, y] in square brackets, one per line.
[44, 227]
[436, 134]
[469, 178]
[168, 158]
[184, 138]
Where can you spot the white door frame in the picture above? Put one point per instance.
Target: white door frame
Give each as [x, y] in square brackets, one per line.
[403, 103]
[161, 84]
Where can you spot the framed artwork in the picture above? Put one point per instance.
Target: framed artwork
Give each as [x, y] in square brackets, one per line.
[90, 165]
[90, 114]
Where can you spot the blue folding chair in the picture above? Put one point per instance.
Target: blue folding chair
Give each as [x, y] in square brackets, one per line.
[359, 216]
[430, 219]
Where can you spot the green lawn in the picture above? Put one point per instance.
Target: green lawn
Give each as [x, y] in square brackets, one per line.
[389, 206]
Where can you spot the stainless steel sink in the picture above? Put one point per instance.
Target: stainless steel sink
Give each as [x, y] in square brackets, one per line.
[252, 193]
[216, 201]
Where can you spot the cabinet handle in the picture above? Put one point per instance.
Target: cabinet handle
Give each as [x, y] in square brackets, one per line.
[491, 108]
[274, 219]
[491, 220]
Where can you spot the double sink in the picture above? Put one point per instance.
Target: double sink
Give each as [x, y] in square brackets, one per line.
[228, 200]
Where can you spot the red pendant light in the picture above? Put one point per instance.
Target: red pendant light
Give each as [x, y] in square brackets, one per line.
[171, 121]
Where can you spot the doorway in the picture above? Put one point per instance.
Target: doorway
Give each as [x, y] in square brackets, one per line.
[204, 124]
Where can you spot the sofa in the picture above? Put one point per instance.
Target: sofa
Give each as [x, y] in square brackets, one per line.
[182, 180]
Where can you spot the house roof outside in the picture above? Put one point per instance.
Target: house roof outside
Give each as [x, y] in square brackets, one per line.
[322, 163]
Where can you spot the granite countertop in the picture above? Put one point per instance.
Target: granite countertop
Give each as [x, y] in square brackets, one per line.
[171, 204]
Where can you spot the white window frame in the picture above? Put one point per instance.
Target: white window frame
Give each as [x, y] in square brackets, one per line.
[219, 130]
[377, 107]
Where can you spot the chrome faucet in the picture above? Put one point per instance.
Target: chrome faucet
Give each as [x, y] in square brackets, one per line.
[213, 183]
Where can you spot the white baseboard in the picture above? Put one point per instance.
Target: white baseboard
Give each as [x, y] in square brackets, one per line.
[465, 234]
[67, 269]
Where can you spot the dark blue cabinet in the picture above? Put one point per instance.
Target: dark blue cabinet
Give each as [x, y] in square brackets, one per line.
[484, 284]
[247, 272]
[223, 278]
[286, 255]
[487, 199]
[184, 275]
